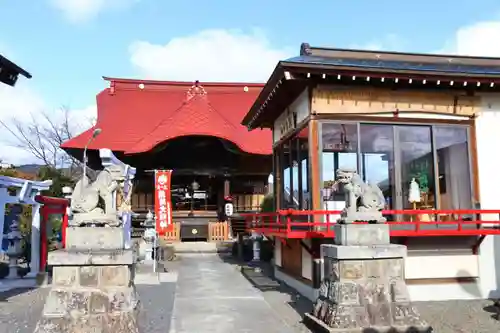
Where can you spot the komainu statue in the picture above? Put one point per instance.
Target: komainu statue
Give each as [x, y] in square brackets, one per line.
[363, 202]
[88, 198]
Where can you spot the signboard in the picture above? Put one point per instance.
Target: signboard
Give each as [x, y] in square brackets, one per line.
[287, 122]
[163, 201]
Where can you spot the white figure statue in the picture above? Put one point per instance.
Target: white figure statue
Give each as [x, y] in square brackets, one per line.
[414, 195]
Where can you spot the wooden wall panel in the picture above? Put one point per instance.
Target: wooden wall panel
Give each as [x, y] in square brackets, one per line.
[291, 256]
[326, 100]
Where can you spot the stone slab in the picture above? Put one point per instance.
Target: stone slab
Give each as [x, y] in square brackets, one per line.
[316, 325]
[355, 252]
[82, 258]
[99, 238]
[362, 234]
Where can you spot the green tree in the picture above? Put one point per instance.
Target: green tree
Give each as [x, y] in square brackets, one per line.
[267, 205]
[59, 180]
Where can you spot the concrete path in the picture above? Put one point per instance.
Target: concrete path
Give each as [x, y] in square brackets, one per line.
[213, 296]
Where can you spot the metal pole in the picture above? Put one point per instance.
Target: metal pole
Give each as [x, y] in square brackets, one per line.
[95, 133]
[156, 233]
[155, 254]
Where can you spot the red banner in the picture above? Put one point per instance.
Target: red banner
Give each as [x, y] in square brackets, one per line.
[163, 201]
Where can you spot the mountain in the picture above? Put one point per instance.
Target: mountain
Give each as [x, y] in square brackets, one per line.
[31, 169]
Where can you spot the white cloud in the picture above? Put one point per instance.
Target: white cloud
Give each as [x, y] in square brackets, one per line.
[390, 42]
[80, 11]
[24, 104]
[210, 55]
[478, 39]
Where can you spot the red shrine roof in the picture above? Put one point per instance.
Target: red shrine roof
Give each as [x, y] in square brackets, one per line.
[137, 115]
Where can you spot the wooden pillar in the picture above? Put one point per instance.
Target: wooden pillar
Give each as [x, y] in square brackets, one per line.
[315, 188]
[474, 165]
[314, 164]
[278, 177]
[44, 251]
[227, 188]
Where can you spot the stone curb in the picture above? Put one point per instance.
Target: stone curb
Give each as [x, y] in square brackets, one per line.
[317, 326]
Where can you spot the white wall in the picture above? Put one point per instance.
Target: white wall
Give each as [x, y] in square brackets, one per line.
[488, 140]
[441, 266]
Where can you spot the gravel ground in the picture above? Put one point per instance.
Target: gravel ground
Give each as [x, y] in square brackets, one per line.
[445, 317]
[460, 316]
[157, 302]
[20, 309]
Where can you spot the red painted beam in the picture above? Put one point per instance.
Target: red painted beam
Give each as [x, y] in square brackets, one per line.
[281, 223]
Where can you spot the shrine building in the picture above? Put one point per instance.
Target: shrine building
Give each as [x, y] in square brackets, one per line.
[192, 128]
[9, 72]
[399, 119]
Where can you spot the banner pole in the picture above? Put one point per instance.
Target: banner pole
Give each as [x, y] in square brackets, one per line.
[156, 234]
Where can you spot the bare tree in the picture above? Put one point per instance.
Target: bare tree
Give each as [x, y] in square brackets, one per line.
[42, 136]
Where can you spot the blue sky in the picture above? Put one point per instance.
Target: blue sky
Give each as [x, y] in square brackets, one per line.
[68, 45]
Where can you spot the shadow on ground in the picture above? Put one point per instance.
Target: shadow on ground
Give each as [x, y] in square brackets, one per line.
[493, 309]
[287, 302]
[6, 295]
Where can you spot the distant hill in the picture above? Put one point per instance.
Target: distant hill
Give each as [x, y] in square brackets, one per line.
[31, 169]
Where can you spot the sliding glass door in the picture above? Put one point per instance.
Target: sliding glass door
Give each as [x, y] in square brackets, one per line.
[414, 155]
[377, 159]
[395, 156]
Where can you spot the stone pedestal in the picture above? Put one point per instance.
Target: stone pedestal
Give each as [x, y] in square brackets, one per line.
[92, 289]
[363, 287]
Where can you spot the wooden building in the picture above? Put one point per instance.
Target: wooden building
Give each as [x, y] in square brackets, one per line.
[191, 128]
[394, 117]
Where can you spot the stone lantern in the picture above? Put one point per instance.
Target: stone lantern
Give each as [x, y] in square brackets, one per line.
[14, 250]
[146, 248]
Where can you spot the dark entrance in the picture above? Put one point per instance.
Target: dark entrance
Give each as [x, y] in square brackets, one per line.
[205, 170]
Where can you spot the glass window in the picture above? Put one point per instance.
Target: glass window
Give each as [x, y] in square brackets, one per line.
[377, 159]
[295, 174]
[453, 167]
[287, 179]
[303, 148]
[339, 150]
[417, 164]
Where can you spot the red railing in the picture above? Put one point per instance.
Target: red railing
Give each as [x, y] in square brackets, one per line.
[409, 223]
[50, 205]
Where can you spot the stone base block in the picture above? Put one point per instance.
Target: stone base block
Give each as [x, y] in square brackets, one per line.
[91, 257]
[363, 290]
[362, 234]
[317, 326]
[98, 238]
[362, 252]
[98, 219]
[368, 216]
[69, 310]
[87, 298]
[98, 323]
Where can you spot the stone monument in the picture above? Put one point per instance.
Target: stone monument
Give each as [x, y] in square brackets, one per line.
[93, 277]
[363, 287]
